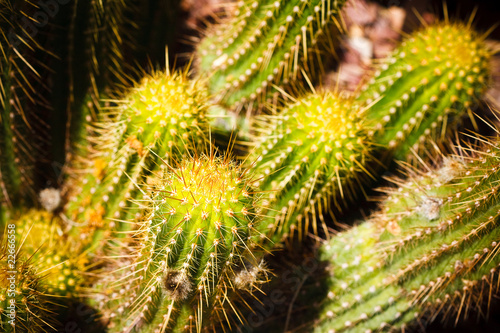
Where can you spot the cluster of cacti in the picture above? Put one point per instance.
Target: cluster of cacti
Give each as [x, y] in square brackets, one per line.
[157, 230]
[431, 250]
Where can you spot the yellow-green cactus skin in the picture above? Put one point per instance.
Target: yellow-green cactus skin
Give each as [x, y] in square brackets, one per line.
[266, 43]
[308, 154]
[199, 224]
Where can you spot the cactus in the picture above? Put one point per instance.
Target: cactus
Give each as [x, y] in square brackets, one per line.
[432, 249]
[426, 86]
[23, 105]
[30, 272]
[160, 118]
[32, 310]
[305, 162]
[315, 149]
[198, 226]
[40, 235]
[266, 43]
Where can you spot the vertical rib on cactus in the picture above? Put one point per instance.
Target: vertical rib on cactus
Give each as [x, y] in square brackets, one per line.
[426, 86]
[313, 151]
[432, 249]
[160, 118]
[267, 43]
[198, 225]
[90, 47]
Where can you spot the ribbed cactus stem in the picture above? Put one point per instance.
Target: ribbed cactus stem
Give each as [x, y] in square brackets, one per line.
[198, 226]
[311, 152]
[426, 86]
[161, 118]
[432, 249]
[266, 43]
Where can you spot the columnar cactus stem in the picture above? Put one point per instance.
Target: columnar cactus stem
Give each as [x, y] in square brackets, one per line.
[426, 86]
[160, 118]
[432, 249]
[198, 225]
[267, 43]
[311, 152]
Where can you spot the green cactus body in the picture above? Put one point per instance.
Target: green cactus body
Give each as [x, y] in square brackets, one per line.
[161, 118]
[198, 226]
[424, 88]
[431, 250]
[314, 148]
[267, 43]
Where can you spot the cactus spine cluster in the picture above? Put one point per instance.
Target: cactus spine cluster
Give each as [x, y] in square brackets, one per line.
[198, 225]
[266, 43]
[432, 249]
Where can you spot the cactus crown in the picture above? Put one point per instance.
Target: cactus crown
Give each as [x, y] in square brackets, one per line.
[198, 226]
[312, 150]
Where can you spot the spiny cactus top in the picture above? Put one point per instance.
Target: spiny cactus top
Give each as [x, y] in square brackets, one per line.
[198, 226]
[160, 118]
[33, 276]
[41, 238]
[267, 43]
[432, 249]
[313, 149]
[426, 85]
